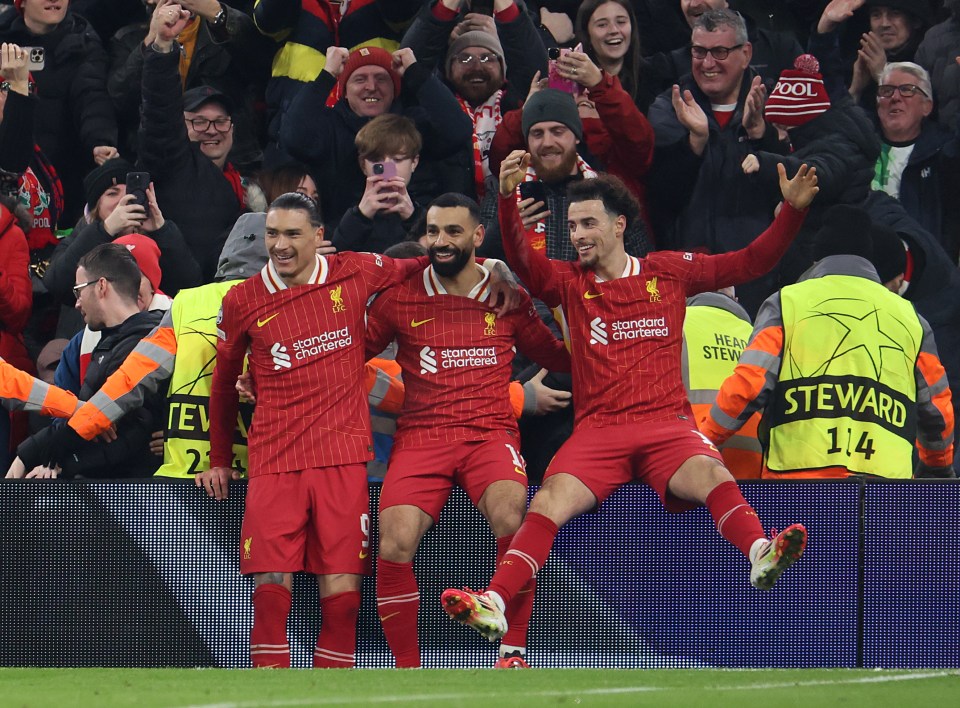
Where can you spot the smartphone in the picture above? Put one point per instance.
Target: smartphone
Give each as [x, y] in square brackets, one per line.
[555, 81]
[137, 183]
[36, 59]
[533, 190]
[387, 170]
[482, 7]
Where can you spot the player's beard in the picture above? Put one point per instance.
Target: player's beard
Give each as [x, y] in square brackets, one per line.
[448, 269]
[555, 173]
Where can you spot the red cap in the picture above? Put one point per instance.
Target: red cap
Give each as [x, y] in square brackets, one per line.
[146, 253]
[369, 56]
[19, 5]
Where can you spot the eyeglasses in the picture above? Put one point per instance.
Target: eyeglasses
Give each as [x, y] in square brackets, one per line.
[80, 286]
[221, 125]
[719, 53]
[467, 59]
[906, 90]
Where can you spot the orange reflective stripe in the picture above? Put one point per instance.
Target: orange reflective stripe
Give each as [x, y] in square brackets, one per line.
[933, 372]
[516, 398]
[392, 399]
[17, 385]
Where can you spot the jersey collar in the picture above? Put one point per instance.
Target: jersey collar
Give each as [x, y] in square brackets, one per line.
[631, 268]
[274, 283]
[433, 286]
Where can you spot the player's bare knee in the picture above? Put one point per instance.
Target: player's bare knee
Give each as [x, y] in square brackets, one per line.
[285, 579]
[506, 518]
[398, 548]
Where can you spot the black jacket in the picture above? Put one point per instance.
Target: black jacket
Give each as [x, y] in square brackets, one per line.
[234, 60]
[355, 232]
[191, 189]
[74, 114]
[129, 454]
[524, 55]
[322, 137]
[936, 54]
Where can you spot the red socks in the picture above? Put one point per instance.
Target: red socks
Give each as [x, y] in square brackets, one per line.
[337, 644]
[269, 647]
[520, 607]
[398, 604]
[735, 519]
[527, 554]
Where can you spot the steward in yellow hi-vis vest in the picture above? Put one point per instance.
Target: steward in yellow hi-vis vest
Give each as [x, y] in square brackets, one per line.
[848, 375]
[716, 330]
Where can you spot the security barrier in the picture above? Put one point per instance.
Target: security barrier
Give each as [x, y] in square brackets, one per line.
[146, 574]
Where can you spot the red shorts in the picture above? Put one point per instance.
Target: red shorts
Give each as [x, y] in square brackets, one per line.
[317, 520]
[604, 459]
[423, 476]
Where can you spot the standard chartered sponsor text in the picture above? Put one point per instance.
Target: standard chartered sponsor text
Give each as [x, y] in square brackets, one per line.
[472, 356]
[326, 342]
[642, 327]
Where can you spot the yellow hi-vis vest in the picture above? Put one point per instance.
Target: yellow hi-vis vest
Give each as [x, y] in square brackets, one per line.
[713, 339]
[847, 394]
[186, 447]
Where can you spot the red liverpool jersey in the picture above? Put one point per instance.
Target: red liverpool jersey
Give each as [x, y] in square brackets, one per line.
[456, 354]
[307, 356]
[626, 334]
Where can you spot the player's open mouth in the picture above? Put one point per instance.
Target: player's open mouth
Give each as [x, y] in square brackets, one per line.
[444, 255]
[585, 248]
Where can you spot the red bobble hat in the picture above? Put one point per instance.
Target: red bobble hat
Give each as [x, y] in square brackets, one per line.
[19, 5]
[369, 56]
[146, 253]
[799, 95]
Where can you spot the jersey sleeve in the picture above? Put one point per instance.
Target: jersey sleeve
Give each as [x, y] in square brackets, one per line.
[232, 342]
[142, 372]
[725, 269]
[537, 341]
[382, 272]
[380, 324]
[534, 269]
[934, 405]
[749, 387]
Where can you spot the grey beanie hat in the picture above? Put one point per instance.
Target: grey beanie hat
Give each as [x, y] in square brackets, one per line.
[551, 105]
[477, 38]
[244, 252]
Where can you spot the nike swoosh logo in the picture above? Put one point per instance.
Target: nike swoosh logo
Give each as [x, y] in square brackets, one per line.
[415, 324]
[261, 323]
[384, 619]
[519, 471]
[590, 296]
[364, 554]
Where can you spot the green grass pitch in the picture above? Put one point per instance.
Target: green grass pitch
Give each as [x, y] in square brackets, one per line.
[214, 688]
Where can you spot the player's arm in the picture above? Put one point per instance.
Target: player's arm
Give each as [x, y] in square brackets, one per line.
[534, 268]
[381, 328]
[763, 253]
[144, 370]
[21, 391]
[934, 407]
[750, 385]
[538, 342]
[232, 342]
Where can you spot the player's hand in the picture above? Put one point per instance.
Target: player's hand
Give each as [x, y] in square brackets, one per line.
[216, 481]
[531, 212]
[800, 190]
[503, 285]
[512, 171]
[326, 248]
[549, 399]
[246, 388]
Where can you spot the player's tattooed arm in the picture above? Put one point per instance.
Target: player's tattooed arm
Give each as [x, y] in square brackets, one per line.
[505, 288]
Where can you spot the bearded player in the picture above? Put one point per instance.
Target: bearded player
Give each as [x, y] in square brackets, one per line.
[633, 420]
[456, 425]
[307, 505]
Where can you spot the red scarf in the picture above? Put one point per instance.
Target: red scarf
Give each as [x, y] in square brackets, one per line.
[537, 233]
[486, 119]
[236, 181]
[41, 193]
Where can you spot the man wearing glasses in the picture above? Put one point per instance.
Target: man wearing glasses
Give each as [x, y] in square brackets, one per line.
[483, 48]
[919, 163]
[705, 126]
[185, 138]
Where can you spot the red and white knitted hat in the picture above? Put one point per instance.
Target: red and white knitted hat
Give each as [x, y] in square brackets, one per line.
[799, 95]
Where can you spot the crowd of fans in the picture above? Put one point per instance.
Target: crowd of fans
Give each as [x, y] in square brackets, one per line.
[375, 107]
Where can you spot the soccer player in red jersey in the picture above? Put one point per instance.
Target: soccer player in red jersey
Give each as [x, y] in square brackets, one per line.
[456, 425]
[307, 507]
[633, 420]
